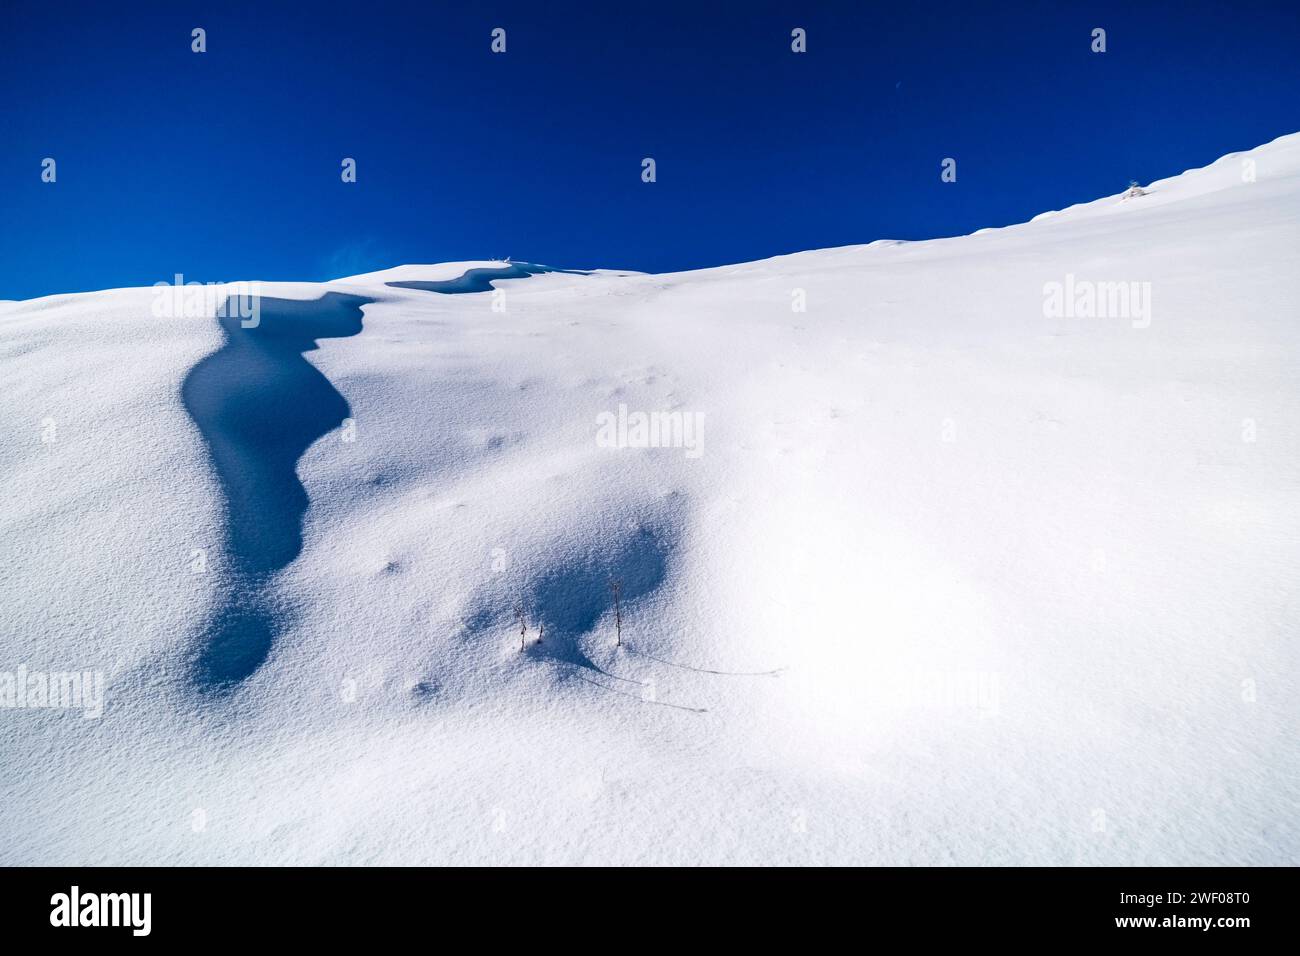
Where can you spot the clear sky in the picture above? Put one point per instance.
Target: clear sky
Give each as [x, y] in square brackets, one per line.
[226, 165]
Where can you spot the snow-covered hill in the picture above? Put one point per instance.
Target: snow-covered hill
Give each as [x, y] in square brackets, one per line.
[976, 550]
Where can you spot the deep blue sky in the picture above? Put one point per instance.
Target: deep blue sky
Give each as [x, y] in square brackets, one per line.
[225, 165]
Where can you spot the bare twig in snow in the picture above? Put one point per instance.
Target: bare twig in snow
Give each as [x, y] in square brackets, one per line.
[617, 587]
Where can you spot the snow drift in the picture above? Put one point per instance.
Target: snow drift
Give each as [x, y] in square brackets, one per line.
[986, 554]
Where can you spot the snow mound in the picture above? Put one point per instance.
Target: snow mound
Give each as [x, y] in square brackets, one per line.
[977, 550]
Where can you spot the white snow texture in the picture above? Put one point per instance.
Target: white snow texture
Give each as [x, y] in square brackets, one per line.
[988, 555]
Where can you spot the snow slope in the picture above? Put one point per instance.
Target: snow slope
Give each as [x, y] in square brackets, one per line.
[950, 580]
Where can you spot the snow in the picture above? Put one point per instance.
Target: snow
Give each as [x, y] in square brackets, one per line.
[950, 580]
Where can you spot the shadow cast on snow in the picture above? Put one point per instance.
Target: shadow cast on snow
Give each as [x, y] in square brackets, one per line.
[570, 597]
[480, 280]
[259, 405]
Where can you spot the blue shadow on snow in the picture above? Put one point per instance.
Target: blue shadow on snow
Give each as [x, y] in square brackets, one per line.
[259, 405]
[480, 280]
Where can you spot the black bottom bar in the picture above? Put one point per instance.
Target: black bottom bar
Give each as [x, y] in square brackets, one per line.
[336, 906]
